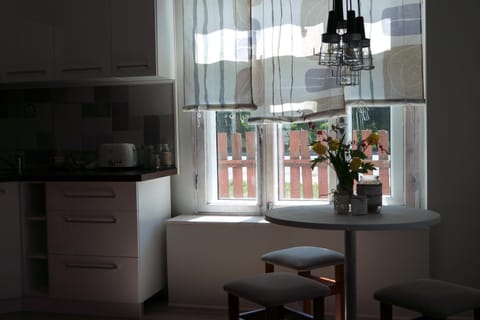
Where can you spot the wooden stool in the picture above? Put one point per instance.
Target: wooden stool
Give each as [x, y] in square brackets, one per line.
[303, 260]
[273, 291]
[434, 299]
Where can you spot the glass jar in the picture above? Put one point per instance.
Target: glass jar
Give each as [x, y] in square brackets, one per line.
[371, 187]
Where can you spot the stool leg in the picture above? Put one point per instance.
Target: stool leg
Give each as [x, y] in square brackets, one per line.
[340, 296]
[233, 308]
[476, 314]
[319, 308]
[385, 311]
[269, 267]
[274, 313]
[307, 304]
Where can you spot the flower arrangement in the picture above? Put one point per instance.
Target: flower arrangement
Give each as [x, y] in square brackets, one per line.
[347, 162]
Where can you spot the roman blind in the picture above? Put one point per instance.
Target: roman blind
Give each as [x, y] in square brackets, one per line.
[259, 55]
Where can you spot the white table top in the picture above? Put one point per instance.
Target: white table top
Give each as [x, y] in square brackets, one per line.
[323, 217]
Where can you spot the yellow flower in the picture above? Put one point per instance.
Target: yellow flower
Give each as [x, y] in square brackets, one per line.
[355, 164]
[334, 144]
[319, 148]
[373, 138]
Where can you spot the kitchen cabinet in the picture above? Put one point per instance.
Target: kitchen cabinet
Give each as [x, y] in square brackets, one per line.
[34, 227]
[10, 246]
[26, 33]
[86, 39]
[82, 39]
[106, 240]
[133, 37]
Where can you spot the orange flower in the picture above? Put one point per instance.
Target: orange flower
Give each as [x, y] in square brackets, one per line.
[319, 148]
[334, 144]
[372, 138]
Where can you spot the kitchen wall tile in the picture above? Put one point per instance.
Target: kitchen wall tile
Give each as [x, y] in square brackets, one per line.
[119, 116]
[96, 110]
[80, 95]
[76, 120]
[151, 130]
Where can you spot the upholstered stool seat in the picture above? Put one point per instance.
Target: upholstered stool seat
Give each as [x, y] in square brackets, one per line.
[273, 291]
[303, 260]
[434, 299]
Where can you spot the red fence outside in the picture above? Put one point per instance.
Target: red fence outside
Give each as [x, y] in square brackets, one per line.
[296, 180]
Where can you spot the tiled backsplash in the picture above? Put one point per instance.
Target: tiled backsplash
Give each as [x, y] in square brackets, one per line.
[40, 123]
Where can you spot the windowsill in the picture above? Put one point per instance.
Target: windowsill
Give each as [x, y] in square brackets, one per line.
[187, 219]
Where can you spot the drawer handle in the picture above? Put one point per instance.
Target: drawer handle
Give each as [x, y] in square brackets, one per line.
[90, 220]
[89, 195]
[131, 66]
[81, 69]
[26, 72]
[101, 266]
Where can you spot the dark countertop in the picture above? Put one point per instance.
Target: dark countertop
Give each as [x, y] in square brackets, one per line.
[113, 174]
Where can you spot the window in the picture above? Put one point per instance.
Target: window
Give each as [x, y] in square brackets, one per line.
[244, 168]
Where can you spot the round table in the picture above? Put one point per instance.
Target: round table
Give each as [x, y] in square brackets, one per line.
[323, 217]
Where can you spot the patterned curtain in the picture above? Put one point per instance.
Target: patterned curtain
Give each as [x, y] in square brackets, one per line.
[259, 55]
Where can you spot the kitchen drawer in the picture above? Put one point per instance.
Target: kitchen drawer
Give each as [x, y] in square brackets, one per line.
[81, 196]
[93, 278]
[104, 233]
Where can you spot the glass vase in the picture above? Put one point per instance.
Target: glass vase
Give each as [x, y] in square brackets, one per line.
[341, 202]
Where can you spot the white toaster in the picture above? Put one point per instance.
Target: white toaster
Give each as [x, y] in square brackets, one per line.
[117, 155]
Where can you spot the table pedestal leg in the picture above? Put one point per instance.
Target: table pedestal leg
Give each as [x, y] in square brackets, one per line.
[350, 275]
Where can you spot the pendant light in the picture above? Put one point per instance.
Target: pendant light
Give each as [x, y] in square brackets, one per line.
[345, 49]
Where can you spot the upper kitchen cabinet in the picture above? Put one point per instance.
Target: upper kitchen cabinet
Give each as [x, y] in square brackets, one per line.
[133, 37]
[26, 34]
[86, 39]
[143, 38]
[82, 39]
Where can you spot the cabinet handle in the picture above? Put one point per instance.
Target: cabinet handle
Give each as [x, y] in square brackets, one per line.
[101, 266]
[2, 192]
[131, 66]
[26, 72]
[89, 195]
[80, 69]
[90, 220]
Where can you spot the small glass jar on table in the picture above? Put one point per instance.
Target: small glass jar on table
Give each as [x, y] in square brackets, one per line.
[371, 187]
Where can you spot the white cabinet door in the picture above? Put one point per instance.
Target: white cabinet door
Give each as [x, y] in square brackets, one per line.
[133, 37]
[82, 39]
[10, 245]
[26, 34]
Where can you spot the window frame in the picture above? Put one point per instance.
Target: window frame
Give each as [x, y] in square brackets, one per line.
[403, 170]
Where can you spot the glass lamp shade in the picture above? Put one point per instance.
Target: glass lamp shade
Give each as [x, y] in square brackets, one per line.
[346, 76]
[367, 60]
[352, 49]
[330, 51]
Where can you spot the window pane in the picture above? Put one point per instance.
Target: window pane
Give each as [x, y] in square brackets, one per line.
[297, 181]
[236, 156]
[364, 121]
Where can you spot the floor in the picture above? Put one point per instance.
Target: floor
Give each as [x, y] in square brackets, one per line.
[155, 308]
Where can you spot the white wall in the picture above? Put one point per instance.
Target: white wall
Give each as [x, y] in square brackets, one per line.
[453, 118]
[202, 256]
